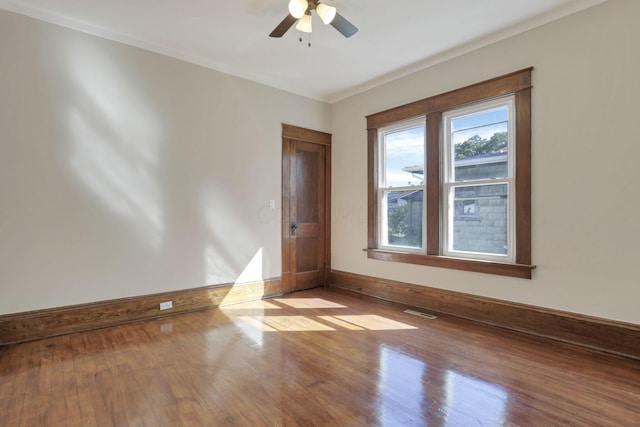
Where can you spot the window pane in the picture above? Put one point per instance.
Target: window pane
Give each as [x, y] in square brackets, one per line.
[480, 143]
[404, 218]
[480, 214]
[404, 157]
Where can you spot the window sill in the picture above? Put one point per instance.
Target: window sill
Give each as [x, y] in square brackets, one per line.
[522, 271]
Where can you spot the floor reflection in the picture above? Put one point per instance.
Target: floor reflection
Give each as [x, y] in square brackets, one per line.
[401, 389]
[470, 399]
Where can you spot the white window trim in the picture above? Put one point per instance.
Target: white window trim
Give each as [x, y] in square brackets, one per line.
[448, 166]
[383, 188]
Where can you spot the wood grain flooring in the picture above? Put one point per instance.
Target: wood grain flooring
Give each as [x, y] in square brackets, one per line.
[313, 358]
[611, 336]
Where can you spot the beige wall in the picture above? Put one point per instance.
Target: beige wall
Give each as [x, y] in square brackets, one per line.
[124, 172]
[586, 154]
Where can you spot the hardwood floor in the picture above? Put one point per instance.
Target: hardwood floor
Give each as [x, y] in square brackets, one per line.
[314, 358]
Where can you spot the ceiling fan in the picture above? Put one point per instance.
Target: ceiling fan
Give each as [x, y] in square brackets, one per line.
[300, 10]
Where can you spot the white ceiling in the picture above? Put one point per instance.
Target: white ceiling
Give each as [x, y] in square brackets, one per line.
[395, 38]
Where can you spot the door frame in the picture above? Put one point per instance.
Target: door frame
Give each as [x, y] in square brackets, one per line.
[291, 134]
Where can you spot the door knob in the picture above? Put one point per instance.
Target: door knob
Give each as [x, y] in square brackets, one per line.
[294, 227]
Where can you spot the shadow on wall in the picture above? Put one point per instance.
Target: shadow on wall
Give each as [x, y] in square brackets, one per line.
[119, 151]
[116, 142]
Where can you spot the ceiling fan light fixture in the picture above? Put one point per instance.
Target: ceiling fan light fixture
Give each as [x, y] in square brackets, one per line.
[304, 24]
[326, 13]
[297, 8]
[300, 14]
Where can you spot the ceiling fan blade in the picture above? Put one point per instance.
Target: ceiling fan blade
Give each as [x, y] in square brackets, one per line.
[282, 27]
[345, 27]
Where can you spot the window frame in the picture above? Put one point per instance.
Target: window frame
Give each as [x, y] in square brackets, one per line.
[386, 130]
[448, 182]
[432, 109]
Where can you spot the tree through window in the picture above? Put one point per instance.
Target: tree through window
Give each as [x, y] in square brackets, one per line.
[449, 179]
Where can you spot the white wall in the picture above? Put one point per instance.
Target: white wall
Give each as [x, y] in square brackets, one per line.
[586, 164]
[124, 172]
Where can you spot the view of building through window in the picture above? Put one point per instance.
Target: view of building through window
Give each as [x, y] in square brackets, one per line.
[449, 179]
[476, 182]
[401, 189]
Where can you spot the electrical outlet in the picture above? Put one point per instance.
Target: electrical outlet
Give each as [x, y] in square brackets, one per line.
[166, 305]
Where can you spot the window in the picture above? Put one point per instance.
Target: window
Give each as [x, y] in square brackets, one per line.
[449, 179]
[401, 186]
[478, 190]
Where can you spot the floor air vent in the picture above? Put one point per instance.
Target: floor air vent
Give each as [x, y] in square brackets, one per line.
[418, 313]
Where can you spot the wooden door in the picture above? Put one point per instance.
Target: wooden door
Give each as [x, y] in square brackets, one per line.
[305, 207]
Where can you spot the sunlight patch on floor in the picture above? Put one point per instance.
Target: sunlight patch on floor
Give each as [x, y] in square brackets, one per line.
[308, 303]
[295, 323]
[252, 305]
[374, 322]
[341, 323]
[307, 324]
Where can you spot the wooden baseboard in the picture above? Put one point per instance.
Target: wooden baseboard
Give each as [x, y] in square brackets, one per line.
[28, 326]
[601, 334]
